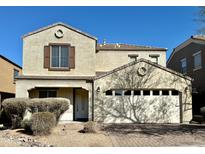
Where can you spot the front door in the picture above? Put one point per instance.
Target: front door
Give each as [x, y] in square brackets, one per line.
[81, 105]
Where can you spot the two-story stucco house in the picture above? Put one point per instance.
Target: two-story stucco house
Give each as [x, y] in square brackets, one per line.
[104, 82]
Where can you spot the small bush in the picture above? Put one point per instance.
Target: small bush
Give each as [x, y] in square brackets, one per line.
[42, 123]
[202, 110]
[14, 109]
[89, 127]
[54, 105]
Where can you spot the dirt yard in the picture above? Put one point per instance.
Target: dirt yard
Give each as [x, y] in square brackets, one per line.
[124, 135]
[64, 135]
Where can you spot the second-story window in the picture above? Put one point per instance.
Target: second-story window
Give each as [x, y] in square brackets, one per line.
[183, 66]
[59, 56]
[197, 60]
[133, 57]
[47, 93]
[154, 58]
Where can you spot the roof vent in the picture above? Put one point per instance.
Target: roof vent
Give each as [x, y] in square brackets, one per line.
[118, 45]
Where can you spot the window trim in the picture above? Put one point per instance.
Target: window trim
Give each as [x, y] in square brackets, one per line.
[60, 46]
[198, 67]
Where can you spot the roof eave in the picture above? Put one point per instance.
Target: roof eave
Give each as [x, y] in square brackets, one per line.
[146, 61]
[56, 24]
[11, 62]
[22, 77]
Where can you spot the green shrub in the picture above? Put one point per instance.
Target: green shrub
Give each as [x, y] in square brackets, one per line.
[42, 123]
[54, 105]
[89, 127]
[14, 109]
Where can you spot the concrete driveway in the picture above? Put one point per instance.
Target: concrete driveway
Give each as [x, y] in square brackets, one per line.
[155, 135]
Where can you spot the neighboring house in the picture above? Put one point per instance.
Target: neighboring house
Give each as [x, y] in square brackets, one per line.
[104, 82]
[8, 73]
[189, 59]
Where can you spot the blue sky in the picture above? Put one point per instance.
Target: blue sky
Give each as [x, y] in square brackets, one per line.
[152, 26]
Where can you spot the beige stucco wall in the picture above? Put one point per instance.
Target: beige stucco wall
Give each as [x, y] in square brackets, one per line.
[155, 78]
[33, 52]
[65, 90]
[7, 83]
[109, 60]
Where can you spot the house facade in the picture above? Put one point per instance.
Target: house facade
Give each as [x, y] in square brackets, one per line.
[104, 82]
[9, 71]
[189, 59]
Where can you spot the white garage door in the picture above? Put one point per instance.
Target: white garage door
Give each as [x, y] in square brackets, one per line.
[142, 106]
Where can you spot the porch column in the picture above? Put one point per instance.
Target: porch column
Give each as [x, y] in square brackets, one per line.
[22, 89]
[90, 105]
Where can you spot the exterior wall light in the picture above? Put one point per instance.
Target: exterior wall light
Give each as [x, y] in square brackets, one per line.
[98, 89]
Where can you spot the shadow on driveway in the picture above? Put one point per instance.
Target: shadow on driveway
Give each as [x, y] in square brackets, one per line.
[154, 129]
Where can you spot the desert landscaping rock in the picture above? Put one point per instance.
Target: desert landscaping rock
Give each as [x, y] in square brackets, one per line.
[12, 137]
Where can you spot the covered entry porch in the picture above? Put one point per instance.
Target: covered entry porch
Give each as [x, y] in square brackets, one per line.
[78, 98]
[78, 92]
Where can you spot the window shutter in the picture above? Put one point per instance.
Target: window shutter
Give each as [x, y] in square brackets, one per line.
[71, 57]
[46, 56]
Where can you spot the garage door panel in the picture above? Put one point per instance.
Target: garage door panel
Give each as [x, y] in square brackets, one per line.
[157, 109]
[141, 109]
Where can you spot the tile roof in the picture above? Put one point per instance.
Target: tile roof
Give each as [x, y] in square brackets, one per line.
[128, 47]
